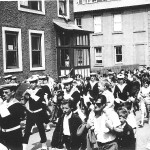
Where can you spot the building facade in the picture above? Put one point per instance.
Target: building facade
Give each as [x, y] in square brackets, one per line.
[32, 38]
[121, 32]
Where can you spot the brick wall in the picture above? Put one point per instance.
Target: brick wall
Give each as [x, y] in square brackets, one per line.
[10, 16]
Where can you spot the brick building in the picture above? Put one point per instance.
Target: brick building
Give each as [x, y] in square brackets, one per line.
[121, 37]
[32, 36]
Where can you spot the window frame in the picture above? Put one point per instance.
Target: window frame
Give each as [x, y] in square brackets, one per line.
[121, 23]
[76, 22]
[100, 16]
[42, 12]
[42, 50]
[19, 44]
[98, 64]
[68, 10]
[118, 54]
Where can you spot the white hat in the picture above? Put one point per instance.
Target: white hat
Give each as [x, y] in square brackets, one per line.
[93, 74]
[32, 79]
[7, 76]
[67, 81]
[63, 76]
[120, 76]
[110, 72]
[14, 77]
[42, 77]
[9, 86]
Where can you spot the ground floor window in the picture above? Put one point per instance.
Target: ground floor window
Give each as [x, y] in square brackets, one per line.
[98, 55]
[118, 54]
[81, 57]
[12, 52]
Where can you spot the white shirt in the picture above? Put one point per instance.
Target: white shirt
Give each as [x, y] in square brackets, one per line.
[66, 129]
[103, 133]
[110, 99]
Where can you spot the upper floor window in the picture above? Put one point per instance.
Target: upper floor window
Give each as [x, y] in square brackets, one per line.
[37, 52]
[97, 24]
[63, 8]
[32, 6]
[63, 38]
[78, 22]
[98, 55]
[91, 1]
[118, 54]
[12, 52]
[117, 22]
[82, 40]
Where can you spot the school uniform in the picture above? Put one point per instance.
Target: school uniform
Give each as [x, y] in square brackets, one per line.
[126, 139]
[93, 90]
[35, 114]
[67, 134]
[10, 117]
[121, 92]
[74, 94]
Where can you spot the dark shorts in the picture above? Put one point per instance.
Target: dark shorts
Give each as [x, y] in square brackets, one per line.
[108, 146]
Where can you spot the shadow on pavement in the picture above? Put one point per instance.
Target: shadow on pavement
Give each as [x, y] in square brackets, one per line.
[38, 145]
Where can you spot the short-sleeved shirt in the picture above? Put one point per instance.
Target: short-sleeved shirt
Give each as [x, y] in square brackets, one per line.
[103, 133]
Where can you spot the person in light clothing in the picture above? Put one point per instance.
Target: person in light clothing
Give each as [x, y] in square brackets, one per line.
[106, 124]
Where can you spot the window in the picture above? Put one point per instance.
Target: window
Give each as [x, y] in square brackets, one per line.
[81, 57]
[98, 55]
[64, 58]
[82, 40]
[78, 22]
[118, 53]
[12, 52]
[63, 8]
[32, 6]
[36, 47]
[63, 38]
[139, 21]
[117, 23]
[97, 24]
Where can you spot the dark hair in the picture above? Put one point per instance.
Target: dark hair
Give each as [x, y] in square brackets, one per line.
[103, 98]
[123, 112]
[67, 101]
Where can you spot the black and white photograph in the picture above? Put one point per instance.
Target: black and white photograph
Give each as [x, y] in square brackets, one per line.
[75, 75]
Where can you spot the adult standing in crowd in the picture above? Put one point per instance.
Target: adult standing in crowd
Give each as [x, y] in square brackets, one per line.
[7, 79]
[11, 112]
[134, 90]
[121, 92]
[35, 112]
[93, 85]
[71, 92]
[106, 124]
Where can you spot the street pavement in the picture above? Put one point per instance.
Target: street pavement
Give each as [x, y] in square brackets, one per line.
[143, 137]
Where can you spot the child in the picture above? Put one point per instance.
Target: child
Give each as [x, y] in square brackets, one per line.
[66, 128]
[126, 139]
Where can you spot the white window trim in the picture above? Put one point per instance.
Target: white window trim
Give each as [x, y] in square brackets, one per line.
[20, 68]
[98, 64]
[68, 10]
[42, 50]
[115, 54]
[33, 11]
